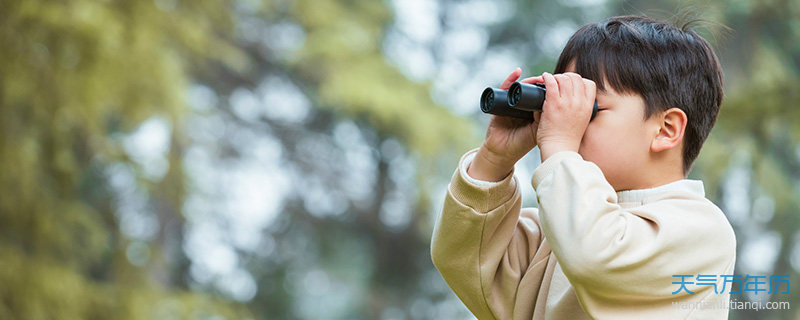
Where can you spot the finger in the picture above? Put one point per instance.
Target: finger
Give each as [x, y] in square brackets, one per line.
[565, 87]
[533, 80]
[511, 78]
[551, 85]
[591, 90]
[578, 89]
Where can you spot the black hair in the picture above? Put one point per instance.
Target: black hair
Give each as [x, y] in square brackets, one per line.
[668, 66]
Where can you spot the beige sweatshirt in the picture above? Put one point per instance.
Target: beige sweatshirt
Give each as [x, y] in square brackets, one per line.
[587, 251]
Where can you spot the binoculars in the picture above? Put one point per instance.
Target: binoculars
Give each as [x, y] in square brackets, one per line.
[520, 101]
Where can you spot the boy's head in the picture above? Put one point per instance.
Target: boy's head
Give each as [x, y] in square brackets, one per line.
[659, 88]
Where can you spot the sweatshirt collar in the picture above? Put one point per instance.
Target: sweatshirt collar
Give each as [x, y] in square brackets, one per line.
[640, 195]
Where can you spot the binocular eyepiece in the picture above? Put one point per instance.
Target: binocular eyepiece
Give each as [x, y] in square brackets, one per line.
[520, 101]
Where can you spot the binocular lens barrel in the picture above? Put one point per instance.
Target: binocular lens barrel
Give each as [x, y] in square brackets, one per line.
[495, 101]
[524, 96]
[519, 101]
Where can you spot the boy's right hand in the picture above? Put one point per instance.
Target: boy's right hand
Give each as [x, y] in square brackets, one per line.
[507, 140]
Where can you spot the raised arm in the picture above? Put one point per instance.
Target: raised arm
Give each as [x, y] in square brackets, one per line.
[484, 243]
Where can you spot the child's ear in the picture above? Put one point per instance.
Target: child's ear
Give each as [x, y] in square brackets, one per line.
[671, 129]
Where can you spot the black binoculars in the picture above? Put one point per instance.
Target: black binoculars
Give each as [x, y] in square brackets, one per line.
[520, 101]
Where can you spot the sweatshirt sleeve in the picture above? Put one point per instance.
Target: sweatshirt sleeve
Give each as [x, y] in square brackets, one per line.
[483, 243]
[621, 261]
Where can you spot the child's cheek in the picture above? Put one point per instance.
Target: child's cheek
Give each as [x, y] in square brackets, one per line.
[592, 145]
[601, 141]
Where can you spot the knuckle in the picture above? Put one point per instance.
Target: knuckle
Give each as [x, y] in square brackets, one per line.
[573, 75]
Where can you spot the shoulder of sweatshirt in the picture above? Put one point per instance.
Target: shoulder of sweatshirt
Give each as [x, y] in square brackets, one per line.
[688, 213]
[687, 217]
[690, 225]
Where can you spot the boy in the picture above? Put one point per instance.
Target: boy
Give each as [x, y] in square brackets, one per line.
[617, 220]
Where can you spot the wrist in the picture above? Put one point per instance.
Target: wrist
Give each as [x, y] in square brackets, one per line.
[488, 166]
[549, 149]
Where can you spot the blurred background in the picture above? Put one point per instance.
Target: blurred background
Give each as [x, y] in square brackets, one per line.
[276, 159]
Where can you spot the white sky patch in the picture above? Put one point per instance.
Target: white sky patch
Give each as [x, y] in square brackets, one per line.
[209, 254]
[231, 200]
[418, 19]
[465, 42]
[414, 60]
[464, 91]
[202, 98]
[760, 252]
[239, 285]
[736, 188]
[552, 38]
[215, 262]
[138, 224]
[794, 258]
[283, 100]
[321, 201]
[206, 128]
[498, 64]
[247, 192]
[449, 80]
[484, 12]
[409, 42]
[321, 296]
[254, 197]
[285, 37]
[395, 212]
[763, 209]
[358, 181]
[246, 105]
[135, 218]
[275, 98]
[148, 147]
[583, 3]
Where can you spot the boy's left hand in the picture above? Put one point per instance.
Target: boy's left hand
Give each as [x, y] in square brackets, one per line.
[565, 114]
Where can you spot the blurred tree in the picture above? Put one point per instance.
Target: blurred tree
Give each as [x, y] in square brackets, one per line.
[96, 201]
[341, 246]
[300, 175]
[75, 76]
[368, 119]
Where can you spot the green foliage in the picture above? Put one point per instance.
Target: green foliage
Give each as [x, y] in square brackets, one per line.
[77, 77]
[342, 56]
[74, 74]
